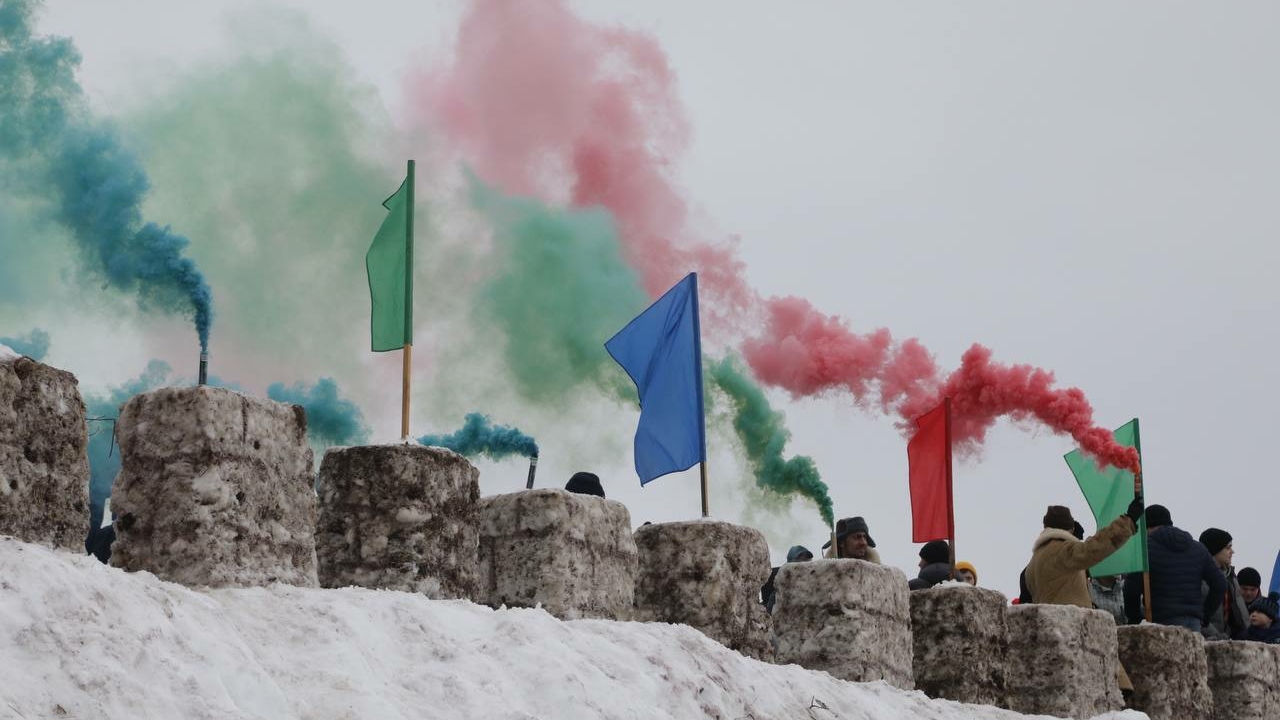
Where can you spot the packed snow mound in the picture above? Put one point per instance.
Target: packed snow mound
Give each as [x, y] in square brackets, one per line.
[82, 640]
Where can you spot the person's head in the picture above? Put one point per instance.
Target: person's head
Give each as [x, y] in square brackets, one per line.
[935, 551]
[585, 483]
[799, 553]
[1157, 517]
[1250, 584]
[967, 573]
[1059, 517]
[1218, 543]
[1264, 610]
[853, 538]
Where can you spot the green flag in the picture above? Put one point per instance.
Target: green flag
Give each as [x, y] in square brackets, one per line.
[1109, 490]
[390, 285]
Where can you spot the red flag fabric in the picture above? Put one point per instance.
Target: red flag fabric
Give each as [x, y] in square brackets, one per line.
[929, 463]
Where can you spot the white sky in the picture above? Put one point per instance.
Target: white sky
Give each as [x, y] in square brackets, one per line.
[1088, 187]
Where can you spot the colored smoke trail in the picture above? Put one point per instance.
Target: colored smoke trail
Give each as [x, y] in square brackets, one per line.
[540, 101]
[34, 344]
[98, 185]
[764, 437]
[559, 287]
[479, 436]
[331, 419]
[809, 353]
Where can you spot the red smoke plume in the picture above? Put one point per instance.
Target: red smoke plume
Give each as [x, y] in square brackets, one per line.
[540, 102]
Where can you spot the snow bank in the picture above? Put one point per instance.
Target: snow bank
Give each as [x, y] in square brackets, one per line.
[81, 640]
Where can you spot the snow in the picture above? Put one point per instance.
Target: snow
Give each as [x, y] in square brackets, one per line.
[7, 353]
[81, 640]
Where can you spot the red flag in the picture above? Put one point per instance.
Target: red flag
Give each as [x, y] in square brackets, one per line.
[929, 460]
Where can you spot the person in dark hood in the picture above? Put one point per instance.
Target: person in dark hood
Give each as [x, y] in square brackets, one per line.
[1263, 614]
[1178, 565]
[935, 565]
[797, 553]
[585, 483]
[1231, 622]
[1250, 581]
[854, 539]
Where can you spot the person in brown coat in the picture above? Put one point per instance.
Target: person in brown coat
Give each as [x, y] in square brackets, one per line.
[1056, 573]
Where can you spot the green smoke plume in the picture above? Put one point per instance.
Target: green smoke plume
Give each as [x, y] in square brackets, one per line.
[764, 437]
[558, 291]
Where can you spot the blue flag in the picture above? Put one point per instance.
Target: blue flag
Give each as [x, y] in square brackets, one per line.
[1275, 575]
[661, 349]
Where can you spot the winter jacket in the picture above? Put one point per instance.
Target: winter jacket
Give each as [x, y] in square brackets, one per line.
[1056, 576]
[1270, 635]
[1024, 592]
[1110, 599]
[1231, 620]
[100, 542]
[930, 575]
[768, 594]
[1179, 563]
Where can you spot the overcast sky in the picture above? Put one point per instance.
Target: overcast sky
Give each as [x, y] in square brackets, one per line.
[1087, 187]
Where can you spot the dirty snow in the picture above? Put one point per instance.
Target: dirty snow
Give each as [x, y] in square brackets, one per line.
[81, 640]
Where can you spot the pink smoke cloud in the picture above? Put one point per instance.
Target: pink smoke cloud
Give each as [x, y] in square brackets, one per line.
[540, 102]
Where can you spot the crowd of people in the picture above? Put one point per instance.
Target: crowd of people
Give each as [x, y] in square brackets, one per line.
[1192, 583]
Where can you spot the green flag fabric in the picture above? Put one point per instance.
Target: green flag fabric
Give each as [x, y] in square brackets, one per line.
[1109, 490]
[386, 260]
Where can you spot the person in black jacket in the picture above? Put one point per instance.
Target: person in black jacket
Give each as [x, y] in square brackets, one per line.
[99, 542]
[797, 553]
[935, 565]
[1179, 563]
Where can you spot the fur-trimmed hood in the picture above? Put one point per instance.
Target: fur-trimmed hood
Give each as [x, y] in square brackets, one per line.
[1049, 535]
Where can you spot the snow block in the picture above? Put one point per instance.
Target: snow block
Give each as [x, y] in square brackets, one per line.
[1169, 672]
[44, 461]
[848, 617]
[707, 575]
[1063, 661]
[220, 487]
[399, 517]
[960, 640]
[573, 554]
[1243, 680]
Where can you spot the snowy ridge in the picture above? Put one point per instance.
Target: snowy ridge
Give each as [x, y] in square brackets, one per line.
[81, 640]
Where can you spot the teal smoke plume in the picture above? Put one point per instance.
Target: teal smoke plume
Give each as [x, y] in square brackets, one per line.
[331, 419]
[95, 184]
[34, 344]
[479, 436]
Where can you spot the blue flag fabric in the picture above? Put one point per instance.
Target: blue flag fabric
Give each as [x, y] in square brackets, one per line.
[1275, 575]
[661, 349]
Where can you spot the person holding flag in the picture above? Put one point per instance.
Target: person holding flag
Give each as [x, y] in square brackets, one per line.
[1056, 573]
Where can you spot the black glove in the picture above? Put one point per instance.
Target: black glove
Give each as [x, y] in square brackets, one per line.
[1136, 508]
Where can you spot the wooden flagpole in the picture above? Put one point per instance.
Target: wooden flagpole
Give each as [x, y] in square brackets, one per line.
[951, 500]
[408, 308]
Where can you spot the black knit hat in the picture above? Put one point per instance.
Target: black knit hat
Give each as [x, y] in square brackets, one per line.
[936, 551]
[1214, 540]
[1059, 517]
[1269, 606]
[1158, 516]
[1249, 577]
[585, 483]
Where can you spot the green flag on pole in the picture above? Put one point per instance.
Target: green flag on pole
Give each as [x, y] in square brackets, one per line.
[386, 262]
[1109, 490]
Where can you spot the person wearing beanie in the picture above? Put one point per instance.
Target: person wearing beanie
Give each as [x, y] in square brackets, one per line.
[1178, 565]
[1250, 585]
[1232, 620]
[585, 483]
[768, 594]
[966, 573]
[935, 565]
[1056, 574]
[1263, 616]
